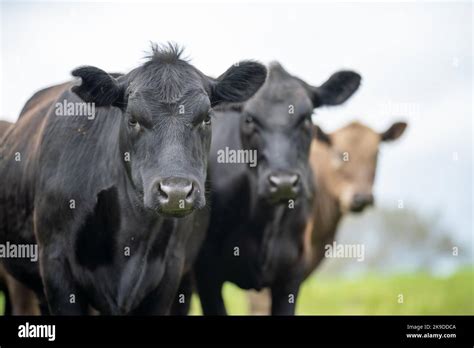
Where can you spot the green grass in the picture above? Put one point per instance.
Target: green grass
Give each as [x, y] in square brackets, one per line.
[372, 294]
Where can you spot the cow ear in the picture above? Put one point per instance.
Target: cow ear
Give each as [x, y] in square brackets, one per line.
[320, 135]
[98, 87]
[394, 132]
[337, 89]
[240, 82]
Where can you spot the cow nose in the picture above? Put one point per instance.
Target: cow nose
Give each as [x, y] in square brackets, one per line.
[283, 186]
[279, 180]
[176, 196]
[361, 200]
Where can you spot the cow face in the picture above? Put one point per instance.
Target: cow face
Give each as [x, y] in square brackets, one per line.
[166, 125]
[276, 123]
[346, 161]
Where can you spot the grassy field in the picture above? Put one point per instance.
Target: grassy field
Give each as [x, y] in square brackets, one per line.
[422, 294]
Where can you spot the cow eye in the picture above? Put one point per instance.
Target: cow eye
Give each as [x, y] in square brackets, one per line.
[133, 123]
[207, 120]
[250, 124]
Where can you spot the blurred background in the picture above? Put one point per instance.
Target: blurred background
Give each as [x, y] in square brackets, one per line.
[416, 63]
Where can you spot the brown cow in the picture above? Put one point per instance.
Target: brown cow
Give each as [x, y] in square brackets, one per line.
[343, 164]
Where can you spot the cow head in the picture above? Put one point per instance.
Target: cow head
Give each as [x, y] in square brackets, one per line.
[276, 122]
[166, 106]
[346, 161]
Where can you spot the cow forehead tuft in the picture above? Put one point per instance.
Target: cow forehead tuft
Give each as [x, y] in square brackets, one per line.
[167, 83]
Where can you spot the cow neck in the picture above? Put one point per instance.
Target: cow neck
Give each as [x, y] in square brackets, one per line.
[265, 220]
[261, 212]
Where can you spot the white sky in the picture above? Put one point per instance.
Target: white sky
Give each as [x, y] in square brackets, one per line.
[415, 59]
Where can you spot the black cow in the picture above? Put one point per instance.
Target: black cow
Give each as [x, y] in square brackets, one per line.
[258, 215]
[101, 194]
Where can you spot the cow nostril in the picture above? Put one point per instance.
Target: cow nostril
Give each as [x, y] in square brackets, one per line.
[190, 191]
[273, 180]
[294, 180]
[161, 191]
[363, 199]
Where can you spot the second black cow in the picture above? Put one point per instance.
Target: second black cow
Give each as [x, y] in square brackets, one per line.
[259, 209]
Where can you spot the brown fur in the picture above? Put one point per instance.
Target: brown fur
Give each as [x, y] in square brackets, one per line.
[4, 126]
[336, 180]
[19, 300]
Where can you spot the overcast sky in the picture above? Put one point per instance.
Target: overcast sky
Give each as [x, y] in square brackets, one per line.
[415, 59]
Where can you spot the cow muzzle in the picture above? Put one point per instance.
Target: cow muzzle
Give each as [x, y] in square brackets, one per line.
[283, 186]
[360, 201]
[175, 197]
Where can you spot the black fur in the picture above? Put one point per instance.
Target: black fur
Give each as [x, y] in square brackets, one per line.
[337, 89]
[98, 87]
[246, 75]
[96, 239]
